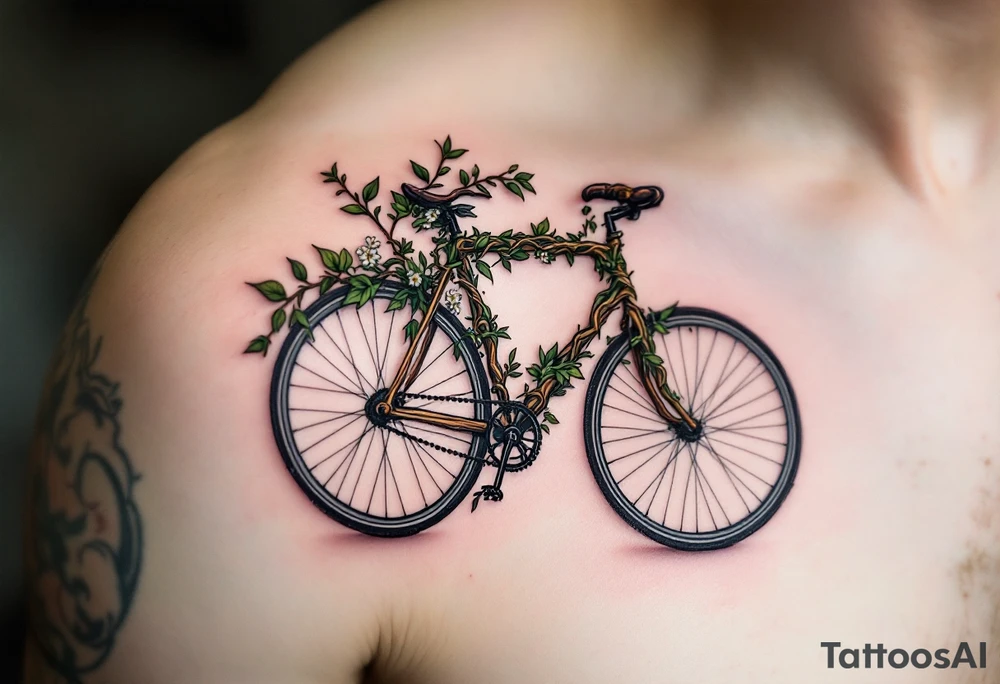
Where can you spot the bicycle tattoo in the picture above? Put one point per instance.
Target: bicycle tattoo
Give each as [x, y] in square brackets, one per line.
[390, 392]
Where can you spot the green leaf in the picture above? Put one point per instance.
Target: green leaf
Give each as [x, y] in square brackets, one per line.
[328, 257]
[444, 170]
[371, 191]
[575, 372]
[410, 330]
[258, 346]
[422, 173]
[344, 260]
[652, 359]
[545, 428]
[586, 209]
[542, 228]
[514, 188]
[298, 270]
[550, 418]
[299, 317]
[277, 320]
[455, 154]
[353, 209]
[484, 268]
[475, 171]
[271, 289]
[326, 284]
[463, 177]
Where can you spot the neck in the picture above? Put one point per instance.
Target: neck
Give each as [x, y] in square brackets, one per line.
[916, 77]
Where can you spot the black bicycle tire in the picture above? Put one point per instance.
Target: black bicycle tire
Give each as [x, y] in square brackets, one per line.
[594, 446]
[446, 322]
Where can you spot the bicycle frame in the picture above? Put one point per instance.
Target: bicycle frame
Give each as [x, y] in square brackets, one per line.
[619, 294]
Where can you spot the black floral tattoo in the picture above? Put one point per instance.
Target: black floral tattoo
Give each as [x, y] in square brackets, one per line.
[84, 530]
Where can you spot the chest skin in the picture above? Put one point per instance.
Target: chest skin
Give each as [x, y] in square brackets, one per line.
[884, 313]
[887, 319]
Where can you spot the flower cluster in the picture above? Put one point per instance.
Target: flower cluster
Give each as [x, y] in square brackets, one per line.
[544, 257]
[368, 253]
[453, 300]
[414, 278]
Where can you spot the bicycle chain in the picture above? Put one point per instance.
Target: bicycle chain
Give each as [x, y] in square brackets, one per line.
[444, 449]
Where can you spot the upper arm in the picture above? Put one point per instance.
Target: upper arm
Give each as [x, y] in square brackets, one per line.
[151, 550]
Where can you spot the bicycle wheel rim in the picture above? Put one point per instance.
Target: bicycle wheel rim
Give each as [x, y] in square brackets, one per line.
[626, 508]
[449, 325]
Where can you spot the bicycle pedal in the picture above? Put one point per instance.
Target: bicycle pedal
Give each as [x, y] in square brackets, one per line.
[487, 493]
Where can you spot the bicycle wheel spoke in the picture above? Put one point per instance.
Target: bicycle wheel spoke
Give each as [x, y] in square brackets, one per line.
[729, 473]
[353, 446]
[349, 356]
[322, 377]
[744, 383]
[342, 414]
[700, 375]
[335, 431]
[645, 433]
[385, 352]
[740, 433]
[409, 454]
[395, 482]
[758, 415]
[364, 462]
[381, 467]
[728, 464]
[427, 366]
[356, 380]
[723, 380]
[667, 442]
[701, 480]
[687, 486]
[368, 344]
[326, 389]
[736, 408]
[438, 384]
[752, 453]
[642, 397]
[627, 412]
[354, 453]
[649, 411]
[672, 459]
[431, 456]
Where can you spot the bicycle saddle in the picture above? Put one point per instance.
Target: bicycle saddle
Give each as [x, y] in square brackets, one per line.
[429, 199]
[642, 197]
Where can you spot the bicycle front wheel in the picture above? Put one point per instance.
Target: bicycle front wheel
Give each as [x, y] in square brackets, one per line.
[714, 486]
[380, 478]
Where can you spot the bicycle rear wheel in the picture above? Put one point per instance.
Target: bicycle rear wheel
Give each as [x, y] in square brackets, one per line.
[712, 488]
[381, 479]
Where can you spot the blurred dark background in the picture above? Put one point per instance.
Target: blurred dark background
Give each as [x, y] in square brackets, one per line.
[97, 98]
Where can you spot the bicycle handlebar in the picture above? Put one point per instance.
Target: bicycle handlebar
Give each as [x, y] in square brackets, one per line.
[642, 197]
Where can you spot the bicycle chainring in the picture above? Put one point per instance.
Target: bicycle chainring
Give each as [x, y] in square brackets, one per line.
[513, 422]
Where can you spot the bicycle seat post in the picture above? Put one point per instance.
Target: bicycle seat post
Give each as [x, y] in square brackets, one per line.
[613, 215]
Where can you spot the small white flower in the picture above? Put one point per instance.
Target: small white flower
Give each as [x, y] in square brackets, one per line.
[453, 300]
[545, 257]
[432, 215]
[368, 253]
[414, 278]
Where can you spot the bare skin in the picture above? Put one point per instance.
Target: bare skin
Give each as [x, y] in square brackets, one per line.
[830, 171]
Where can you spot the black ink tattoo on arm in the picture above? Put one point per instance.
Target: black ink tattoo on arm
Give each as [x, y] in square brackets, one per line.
[84, 532]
